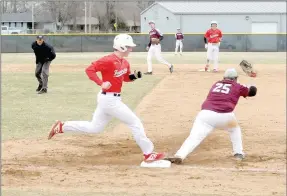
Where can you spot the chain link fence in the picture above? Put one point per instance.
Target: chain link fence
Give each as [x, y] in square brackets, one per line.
[103, 43]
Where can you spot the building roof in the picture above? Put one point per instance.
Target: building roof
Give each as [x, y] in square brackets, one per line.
[17, 17]
[81, 21]
[223, 7]
[26, 17]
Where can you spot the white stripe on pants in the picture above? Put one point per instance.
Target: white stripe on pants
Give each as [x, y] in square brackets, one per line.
[204, 124]
[179, 44]
[110, 106]
[155, 50]
[213, 53]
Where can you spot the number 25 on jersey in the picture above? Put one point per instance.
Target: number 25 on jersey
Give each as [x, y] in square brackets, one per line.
[222, 88]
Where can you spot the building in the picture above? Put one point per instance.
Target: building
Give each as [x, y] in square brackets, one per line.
[232, 16]
[23, 21]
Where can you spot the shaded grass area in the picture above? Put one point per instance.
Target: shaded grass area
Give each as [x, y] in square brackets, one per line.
[71, 96]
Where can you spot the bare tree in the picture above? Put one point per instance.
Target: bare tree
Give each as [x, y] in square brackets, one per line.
[142, 5]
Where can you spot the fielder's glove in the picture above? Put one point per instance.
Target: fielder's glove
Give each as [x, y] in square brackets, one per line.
[135, 75]
[155, 41]
[247, 68]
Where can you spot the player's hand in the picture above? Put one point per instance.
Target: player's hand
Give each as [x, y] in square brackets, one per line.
[147, 48]
[138, 74]
[205, 46]
[106, 85]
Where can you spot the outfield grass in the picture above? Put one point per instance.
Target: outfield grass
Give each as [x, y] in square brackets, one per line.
[71, 96]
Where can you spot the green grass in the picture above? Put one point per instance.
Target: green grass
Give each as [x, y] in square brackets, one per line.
[71, 96]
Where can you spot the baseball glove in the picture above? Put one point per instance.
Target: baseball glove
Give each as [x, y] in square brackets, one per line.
[155, 41]
[247, 68]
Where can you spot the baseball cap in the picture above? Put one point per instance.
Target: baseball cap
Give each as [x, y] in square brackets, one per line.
[151, 22]
[230, 73]
[40, 37]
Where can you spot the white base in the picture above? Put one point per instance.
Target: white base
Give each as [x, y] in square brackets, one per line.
[158, 164]
[203, 70]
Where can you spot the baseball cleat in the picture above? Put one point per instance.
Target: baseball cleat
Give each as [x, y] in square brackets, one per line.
[148, 73]
[171, 69]
[174, 159]
[206, 68]
[154, 157]
[215, 70]
[39, 88]
[56, 128]
[239, 157]
[42, 91]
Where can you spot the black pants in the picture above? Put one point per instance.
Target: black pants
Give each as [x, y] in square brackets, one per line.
[42, 73]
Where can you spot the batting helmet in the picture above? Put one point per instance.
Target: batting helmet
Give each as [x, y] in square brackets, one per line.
[122, 41]
[213, 22]
[151, 22]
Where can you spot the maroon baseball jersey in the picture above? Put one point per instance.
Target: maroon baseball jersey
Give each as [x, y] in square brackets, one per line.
[155, 33]
[179, 36]
[224, 95]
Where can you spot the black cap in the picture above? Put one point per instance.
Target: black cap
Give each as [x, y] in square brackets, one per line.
[40, 37]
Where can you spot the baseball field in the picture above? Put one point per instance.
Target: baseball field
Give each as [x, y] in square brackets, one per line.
[108, 163]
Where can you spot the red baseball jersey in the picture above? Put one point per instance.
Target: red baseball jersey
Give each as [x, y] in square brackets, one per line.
[113, 69]
[224, 96]
[179, 36]
[155, 33]
[213, 36]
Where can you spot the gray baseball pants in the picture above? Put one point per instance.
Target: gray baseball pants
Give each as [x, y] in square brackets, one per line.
[42, 73]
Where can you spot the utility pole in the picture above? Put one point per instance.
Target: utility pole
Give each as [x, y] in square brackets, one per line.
[85, 17]
[33, 27]
[90, 16]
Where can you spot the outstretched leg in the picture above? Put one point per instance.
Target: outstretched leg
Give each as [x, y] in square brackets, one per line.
[161, 59]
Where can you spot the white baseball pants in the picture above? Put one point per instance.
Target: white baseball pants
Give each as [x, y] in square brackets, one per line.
[155, 50]
[110, 106]
[178, 44]
[213, 53]
[204, 124]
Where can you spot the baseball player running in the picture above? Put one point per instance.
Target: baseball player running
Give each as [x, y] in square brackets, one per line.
[114, 70]
[154, 48]
[179, 41]
[212, 39]
[217, 112]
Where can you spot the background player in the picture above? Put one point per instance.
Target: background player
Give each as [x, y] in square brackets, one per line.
[114, 70]
[217, 112]
[44, 54]
[212, 39]
[179, 41]
[154, 49]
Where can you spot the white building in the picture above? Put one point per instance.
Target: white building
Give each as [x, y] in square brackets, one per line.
[232, 16]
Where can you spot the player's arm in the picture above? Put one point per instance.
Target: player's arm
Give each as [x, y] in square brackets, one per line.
[129, 77]
[206, 36]
[159, 34]
[220, 36]
[92, 70]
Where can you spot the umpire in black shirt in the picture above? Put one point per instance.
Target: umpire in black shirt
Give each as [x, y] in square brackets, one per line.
[44, 54]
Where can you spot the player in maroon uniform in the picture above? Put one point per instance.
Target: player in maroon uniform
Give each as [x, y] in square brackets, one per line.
[115, 70]
[179, 41]
[217, 112]
[155, 49]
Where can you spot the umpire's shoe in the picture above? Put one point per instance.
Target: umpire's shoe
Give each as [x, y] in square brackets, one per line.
[39, 88]
[42, 91]
[148, 73]
[171, 69]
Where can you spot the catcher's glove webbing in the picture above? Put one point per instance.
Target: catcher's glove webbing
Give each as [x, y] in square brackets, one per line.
[247, 68]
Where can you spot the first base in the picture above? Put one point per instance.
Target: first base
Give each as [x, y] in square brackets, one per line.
[158, 164]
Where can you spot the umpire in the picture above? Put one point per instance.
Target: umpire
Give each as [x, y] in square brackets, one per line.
[44, 54]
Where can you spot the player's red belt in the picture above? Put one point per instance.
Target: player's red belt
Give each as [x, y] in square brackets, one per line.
[115, 94]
